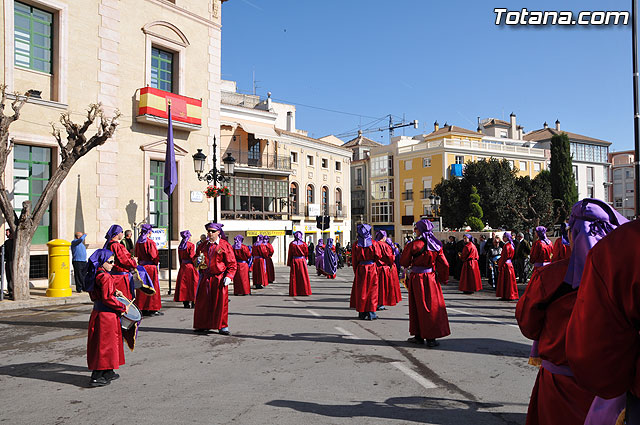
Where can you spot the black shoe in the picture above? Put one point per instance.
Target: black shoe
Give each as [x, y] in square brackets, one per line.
[193, 305]
[99, 382]
[200, 331]
[416, 340]
[224, 332]
[431, 343]
[361, 315]
[185, 304]
[110, 375]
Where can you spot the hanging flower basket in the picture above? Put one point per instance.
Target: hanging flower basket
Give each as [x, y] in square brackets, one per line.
[215, 191]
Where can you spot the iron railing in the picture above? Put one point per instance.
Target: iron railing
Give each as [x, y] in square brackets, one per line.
[252, 159]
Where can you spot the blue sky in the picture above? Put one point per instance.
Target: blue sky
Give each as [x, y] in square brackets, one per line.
[431, 60]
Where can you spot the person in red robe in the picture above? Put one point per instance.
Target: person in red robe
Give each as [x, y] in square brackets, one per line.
[105, 350]
[470, 280]
[387, 295]
[212, 293]
[561, 247]
[147, 254]
[271, 271]
[364, 292]
[603, 334]
[259, 252]
[241, 282]
[297, 261]
[543, 314]
[395, 275]
[541, 250]
[188, 274]
[124, 262]
[506, 286]
[424, 257]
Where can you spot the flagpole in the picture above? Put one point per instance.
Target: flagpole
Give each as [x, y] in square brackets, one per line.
[170, 181]
[170, 196]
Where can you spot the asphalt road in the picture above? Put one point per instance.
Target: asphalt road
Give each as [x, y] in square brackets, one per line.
[304, 360]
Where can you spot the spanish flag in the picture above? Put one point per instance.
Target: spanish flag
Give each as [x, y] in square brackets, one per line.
[184, 109]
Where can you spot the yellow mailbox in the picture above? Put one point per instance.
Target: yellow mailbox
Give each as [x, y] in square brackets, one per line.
[59, 270]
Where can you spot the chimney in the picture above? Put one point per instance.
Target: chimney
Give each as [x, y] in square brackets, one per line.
[545, 125]
[268, 101]
[290, 124]
[436, 126]
[359, 134]
[513, 131]
[558, 125]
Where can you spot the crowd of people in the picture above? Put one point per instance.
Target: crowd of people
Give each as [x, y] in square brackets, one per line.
[578, 307]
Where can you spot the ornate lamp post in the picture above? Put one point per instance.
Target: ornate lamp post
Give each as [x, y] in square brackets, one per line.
[214, 175]
[435, 209]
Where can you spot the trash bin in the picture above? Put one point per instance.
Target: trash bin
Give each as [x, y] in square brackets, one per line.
[59, 270]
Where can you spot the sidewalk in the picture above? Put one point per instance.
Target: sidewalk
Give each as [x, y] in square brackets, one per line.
[38, 296]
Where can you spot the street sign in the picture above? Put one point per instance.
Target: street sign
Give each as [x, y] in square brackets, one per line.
[159, 236]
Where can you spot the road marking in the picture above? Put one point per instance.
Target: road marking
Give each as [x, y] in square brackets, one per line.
[414, 375]
[314, 313]
[346, 333]
[482, 317]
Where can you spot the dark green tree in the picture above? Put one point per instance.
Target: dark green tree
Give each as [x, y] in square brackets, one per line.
[475, 211]
[452, 208]
[563, 182]
[535, 206]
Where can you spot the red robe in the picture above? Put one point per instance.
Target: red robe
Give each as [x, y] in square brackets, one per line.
[271, 271]
[543, 315]
[104, 343]
[187, 275]
[212, 297]
[364, 292]
[147, 255]
[124, 263]
[427, 311]
[560, 251]
[241, 282]
[470, 280]
[388, 293]
[299, 274]
[540, 253]
[506, 285]
[603, 340]
[259, 268]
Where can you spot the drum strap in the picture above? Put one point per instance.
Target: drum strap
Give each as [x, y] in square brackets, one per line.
[100, 306]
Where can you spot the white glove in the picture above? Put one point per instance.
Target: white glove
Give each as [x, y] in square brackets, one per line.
[227, 281]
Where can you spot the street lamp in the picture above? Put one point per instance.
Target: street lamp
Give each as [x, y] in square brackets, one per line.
[214, 175]
[434, 201]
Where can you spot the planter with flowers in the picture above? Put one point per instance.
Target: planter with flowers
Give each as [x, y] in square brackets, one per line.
[215, 191]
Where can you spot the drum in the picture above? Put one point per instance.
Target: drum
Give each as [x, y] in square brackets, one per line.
[132, 316]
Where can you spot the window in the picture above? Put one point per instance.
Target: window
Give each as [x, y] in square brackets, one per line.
[523, 165]
[310, 160]
[382, 212]
[294, 157]
[590, 174]
[338, 199]
[325, 200]
[459, 159]
[408, 210]
[31, 172]
[575, 173]
[536, 167]
[504, 134]
[254, 150]
[162, 69]
[382, 189]
[33, 37]
[617, 174]
[408, 164]
[293, 198]
[426, 162]
[628, 174]
[325, 163]
[338, 166]
[382, 166]
[158, 200]
[618, 202]
[590, 192]
[358, 176]
[310, 194]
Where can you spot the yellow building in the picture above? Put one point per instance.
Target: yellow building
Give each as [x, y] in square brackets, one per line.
[130, 55]
[401, 192]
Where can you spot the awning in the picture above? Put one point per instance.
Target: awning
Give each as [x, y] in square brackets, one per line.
[259, 131]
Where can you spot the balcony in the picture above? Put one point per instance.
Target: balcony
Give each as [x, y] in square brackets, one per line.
[257, 160]
[407, 220]
[456, 170]
[186, 112]
[407, 196]
[337, 211]
[256, 199]
[425, 193]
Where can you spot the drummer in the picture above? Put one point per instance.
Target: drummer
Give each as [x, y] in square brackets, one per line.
[105, 350]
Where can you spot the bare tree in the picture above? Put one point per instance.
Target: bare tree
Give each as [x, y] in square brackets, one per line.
[72, 149]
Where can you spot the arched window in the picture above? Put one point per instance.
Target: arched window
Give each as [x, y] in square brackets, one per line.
[310, 194]
[325, 200]
[338, 200]
[293, 198]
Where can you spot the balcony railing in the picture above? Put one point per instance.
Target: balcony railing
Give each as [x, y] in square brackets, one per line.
[334, 210]
[250, 159]
[407, 196]
[407, 220]
[425, 193]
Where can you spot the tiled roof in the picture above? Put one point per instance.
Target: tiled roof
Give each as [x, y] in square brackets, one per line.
[452, 129]
[495, 121]
[360, 140]
[548, 133]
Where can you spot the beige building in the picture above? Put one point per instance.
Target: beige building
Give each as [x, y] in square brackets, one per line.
[622, 195]
[283, 179]
[130, 55]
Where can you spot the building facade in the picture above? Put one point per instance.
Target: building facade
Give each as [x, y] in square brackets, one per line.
[622, 195]
[73, 53]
